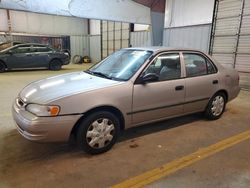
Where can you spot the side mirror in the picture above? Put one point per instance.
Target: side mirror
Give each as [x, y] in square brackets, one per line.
[150, 77]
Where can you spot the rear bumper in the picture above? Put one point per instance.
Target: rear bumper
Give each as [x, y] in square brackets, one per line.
[43, 129]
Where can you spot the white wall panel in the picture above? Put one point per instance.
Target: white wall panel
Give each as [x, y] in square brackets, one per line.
[196, 37]
[26, 22]
[79, 45]
[95, 48]
[95, 27]
[228, 8]
[191, 12]
[225, 59]
[224, 44]
[141, 27]
[3, 20]
[140, 39]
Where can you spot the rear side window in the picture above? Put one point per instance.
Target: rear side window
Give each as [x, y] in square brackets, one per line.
[41, 49]
[197, 65]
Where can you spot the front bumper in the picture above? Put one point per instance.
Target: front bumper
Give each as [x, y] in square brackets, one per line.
[43, 129]
[66, 61]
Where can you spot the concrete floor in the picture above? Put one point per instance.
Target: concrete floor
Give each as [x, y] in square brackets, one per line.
[25, 164]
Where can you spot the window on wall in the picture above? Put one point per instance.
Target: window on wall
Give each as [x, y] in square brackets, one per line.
[115, 35]
[197, 65]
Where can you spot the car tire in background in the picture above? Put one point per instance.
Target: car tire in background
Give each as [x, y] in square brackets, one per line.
[98, 132]
[55, 65]
[77, 59]
[216, 106]
[2, 67]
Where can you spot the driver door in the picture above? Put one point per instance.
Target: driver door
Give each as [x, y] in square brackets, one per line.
[20, 57]
[160, 99]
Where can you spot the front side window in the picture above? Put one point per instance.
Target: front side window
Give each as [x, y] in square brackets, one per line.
[166, 67]
[121, 65]
[21, 49]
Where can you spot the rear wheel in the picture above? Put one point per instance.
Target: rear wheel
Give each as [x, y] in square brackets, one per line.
[2, 67]
[98, 132]
[55, 65]
[216, 106]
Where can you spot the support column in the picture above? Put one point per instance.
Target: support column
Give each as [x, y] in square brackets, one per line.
[9, 33]
[157, 21]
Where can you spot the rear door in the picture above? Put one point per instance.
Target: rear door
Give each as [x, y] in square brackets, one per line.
[163, 98]
[201, 81]
[41, 55]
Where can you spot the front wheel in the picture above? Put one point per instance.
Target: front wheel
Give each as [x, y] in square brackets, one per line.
[98, 132]
[55, 65]
[216, 106]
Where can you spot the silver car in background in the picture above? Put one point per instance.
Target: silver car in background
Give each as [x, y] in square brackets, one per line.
[131, 87]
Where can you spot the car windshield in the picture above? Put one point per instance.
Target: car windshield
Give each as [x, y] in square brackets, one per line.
[121, 65]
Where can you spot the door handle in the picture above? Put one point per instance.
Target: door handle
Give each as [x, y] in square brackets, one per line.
[179, 88]
[215, 81]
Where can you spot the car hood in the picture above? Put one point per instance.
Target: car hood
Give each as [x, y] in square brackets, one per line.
[49, 89]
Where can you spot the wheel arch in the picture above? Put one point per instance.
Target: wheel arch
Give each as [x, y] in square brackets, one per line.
[55, 58]
[111, 109]
[224, 92]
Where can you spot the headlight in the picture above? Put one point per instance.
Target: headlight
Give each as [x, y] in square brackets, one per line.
[41, 110]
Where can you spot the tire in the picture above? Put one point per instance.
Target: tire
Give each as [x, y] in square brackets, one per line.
[98, 132]
[216, 106]
[55, 65]
[77, 59]
[2, 67]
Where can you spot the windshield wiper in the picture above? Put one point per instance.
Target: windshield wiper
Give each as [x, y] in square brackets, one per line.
[98, 74]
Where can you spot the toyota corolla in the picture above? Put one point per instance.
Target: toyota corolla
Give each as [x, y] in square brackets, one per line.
[131, 87]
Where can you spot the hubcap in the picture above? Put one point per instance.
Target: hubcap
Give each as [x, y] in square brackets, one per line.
[217, 105]
[100, 133]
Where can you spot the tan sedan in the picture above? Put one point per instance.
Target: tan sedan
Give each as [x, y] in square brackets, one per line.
[131, 87]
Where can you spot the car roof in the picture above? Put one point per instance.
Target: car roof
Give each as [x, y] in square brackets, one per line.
[163, 48]
[31, 44]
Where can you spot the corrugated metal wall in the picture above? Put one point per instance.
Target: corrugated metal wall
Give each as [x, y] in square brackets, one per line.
[79, 45]
[95, 48]
[140, 39]
[33, 23]
[196, 37]
[230, 43]
[115, 35]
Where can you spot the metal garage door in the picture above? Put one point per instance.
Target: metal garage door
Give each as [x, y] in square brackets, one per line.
[114, 36]
[230, 42]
